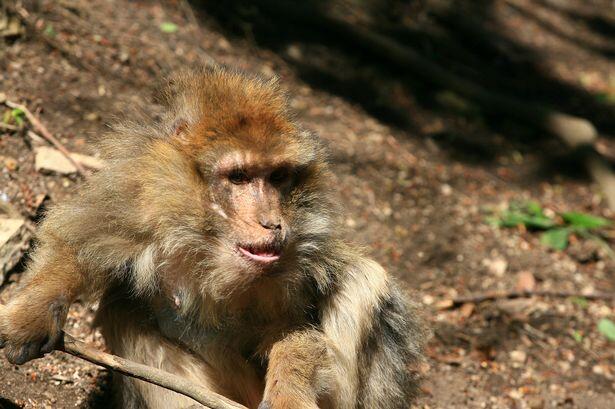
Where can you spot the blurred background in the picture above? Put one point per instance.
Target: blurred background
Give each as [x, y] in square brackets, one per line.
[472, 141]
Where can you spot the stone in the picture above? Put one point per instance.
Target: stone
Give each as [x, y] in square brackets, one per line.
[52, 160]
[14, 239]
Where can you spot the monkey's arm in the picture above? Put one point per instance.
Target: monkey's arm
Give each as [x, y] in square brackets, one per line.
[369, 339]
[80, 245]
[298, 371]
[31, 324]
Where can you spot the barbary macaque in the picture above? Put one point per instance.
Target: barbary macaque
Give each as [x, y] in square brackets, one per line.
[212, 245]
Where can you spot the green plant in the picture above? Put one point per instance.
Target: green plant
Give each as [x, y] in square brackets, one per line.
[18, 116]
[557, 229]
[607, 328]
[15, 116]
[50, 31]
[577, 336]
[580, 301]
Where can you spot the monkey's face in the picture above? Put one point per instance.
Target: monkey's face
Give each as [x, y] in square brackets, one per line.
[235, 211]
[250, 198]
[262, 197]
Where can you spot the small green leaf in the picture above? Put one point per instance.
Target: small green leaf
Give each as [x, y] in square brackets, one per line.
[512, 219]
[168, 27]
[534, 208]
[539, 222]
[577, 336]
[584, 220]
[607, 328]
[580, 301]
[18, 115]
[49, 31]
[530, 216]
[556, 238]
[493, 221]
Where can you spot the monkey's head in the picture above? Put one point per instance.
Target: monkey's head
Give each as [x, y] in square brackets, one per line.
[234, 187]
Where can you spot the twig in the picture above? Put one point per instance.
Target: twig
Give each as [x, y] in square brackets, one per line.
[46, 134]
[8, 127]
[209, 399]
[148, 374]
[495, 295]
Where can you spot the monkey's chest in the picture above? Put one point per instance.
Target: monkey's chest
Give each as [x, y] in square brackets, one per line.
[247, 335]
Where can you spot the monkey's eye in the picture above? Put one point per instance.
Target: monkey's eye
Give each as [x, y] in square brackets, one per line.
[279, 176]
[238, 177]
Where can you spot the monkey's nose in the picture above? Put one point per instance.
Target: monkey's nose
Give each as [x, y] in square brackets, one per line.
[270, 224]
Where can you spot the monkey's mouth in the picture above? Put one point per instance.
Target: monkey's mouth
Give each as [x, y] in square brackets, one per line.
[260, 253]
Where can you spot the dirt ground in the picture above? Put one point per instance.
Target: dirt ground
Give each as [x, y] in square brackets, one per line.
[417, 179]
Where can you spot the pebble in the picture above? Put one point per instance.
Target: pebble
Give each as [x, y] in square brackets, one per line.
[11, 164]
[496, 266]
[518, 356]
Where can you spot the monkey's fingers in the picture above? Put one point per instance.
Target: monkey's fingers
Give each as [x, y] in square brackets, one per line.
[24, 348]
[20, 354]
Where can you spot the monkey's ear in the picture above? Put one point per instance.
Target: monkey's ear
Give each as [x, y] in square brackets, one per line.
[180, 131]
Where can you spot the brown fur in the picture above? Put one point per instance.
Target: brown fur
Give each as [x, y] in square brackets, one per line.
[157, 237]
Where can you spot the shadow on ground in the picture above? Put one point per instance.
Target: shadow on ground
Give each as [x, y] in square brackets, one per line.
[7, 404]
[102, 396]
[466, 38]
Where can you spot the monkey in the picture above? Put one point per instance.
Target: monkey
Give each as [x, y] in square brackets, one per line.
[211, 242]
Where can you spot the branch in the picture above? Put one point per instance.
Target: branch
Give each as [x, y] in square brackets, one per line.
[495, 295]
[149, 374]
[209, 399]
[46, 134]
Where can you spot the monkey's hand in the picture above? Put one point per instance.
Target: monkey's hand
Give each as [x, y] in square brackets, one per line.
[296, 371]
[29, 329]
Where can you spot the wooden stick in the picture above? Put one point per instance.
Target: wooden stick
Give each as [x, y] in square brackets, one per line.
[46, 134]
[209, 399]
[148, 374]
[495, 295]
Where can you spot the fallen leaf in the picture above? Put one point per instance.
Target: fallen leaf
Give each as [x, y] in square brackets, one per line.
[466, 310]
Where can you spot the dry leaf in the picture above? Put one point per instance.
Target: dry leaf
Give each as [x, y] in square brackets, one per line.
[466, 310]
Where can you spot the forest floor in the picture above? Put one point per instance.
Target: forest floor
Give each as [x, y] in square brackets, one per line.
[418, 175]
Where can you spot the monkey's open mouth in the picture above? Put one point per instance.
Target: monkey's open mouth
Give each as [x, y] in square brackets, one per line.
[262, 254]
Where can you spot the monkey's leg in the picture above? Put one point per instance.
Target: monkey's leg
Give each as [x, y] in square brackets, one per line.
[298, 372]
